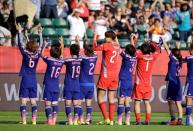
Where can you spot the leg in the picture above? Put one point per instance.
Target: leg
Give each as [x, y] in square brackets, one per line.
[171, 111]
[127, 110]
[68, 104]
[148, 111]
[189, 111]
[76, 111]
[54, 112]
[137, 111]
[100, 95]
[23, 102]
[180, 112]
[111, 97]
[47, 11]
[34, 110]
[80, 112]
[120, 109]
[48, 111]
[88, 110]
[55, 12]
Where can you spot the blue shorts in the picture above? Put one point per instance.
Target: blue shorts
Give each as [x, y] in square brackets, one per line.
[189, 89]
[86, 92]
[174, 91]
[50, 96]
[28, 88]
[71, 95]
[126, 88]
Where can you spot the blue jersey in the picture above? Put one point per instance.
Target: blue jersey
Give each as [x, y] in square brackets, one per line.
[52, 75]
[87, 70]
[71, 81]
[30, 60]
[189, 61]
[174, 68]
[128, 64]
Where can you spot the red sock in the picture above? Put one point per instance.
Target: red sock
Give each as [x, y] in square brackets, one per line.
[148, 117]
[138, 117]
[111, 111]
[103, 109]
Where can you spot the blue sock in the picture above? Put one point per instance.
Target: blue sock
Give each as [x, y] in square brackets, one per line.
[55, 109]
[80, 111]
[188, 114]
[34, 110]
[88, 110]
[68, 110]
[120, 110]
[76, 110]
[22, 108]
[173, 118]
[127, 109]
[48, 111]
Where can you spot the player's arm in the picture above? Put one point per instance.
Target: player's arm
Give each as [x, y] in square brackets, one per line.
[94, 44]
[20, 39]
[133, 39]
[61, 41]
[156, 47]
[166, 47]
[40, 39]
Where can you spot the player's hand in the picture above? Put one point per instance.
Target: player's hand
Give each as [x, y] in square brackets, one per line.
[133, 38]
[61, 40]
[77, 39]
[18, 27]
[40, 29]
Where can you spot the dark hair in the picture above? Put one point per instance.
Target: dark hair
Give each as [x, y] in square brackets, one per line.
[32, 46]
[145, 49]
[156, 19]
[88, 49]
[191, 46]
[74, 49]
[177, 53]
[130, 49]
[110, 34]
[181, 7]
[55, 51]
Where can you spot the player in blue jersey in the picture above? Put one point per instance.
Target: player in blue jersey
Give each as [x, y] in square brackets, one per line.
[28, 86]
[125, 77]
[189, 86]
[71, 90]
[51, 81]
[174, 89]
[87, 81]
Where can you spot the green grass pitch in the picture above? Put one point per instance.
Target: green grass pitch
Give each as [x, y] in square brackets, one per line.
[9, 121]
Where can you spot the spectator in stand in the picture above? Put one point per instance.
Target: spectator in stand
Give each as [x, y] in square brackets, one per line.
[142, 28]
[91, 20]
[190, 38]
[62, 9]
[38, 6]
[50, 9]
[77, 27]
[5, 10]
[123, 28]
[101, 25]
[5, 37]
[128, 9]
[94, 5]
[183, 19]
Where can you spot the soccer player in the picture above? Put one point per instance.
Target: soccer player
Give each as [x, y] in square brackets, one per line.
[189, 86]
[109, 76]
[174, 89]
[51, 81]
[71, 90]
[28, 86]
[146, 57]
[87, 81]
[125, 77]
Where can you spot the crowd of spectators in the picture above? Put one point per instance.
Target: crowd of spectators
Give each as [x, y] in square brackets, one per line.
[149, 19]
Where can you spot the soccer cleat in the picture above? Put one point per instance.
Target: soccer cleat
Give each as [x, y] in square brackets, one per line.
[138, 123]
[75, 123]
[189, 121]
[119, 123]
[111, 123]
[128, 123]
[23, 122]
[33, 122]
[180, 123]
[105, 122]
[145, 123]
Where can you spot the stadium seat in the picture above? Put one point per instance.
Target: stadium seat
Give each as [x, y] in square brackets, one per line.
[49, 32]
[90, 33]
[124, 42]
[45, 22]
[60, 23]
[67, 42]
[62, 32]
